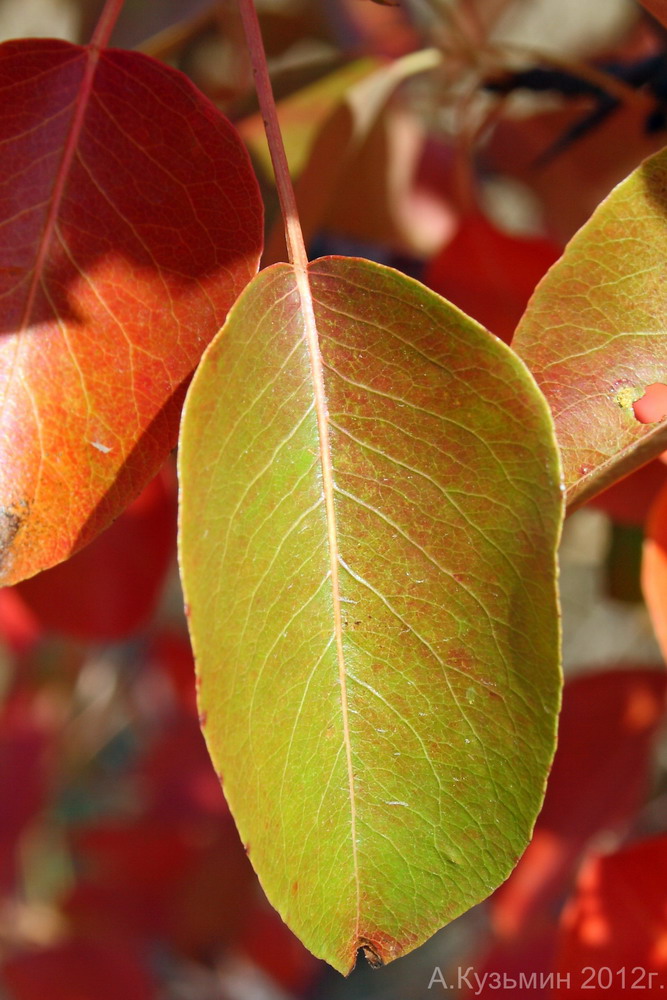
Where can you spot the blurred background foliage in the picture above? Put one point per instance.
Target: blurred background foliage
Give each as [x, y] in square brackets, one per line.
[464, 142]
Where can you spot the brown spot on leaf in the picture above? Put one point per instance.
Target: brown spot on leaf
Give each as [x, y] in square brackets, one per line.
[371, 954]
[379, 947]
[202, 718]
[295, 888]
[12, 519]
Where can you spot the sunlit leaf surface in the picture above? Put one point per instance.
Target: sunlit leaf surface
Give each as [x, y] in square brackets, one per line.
[129, 222]
[371, 589]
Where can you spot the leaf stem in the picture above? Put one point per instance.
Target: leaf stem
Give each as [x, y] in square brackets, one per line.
[296, 248]
[105, 25]
[617, 467]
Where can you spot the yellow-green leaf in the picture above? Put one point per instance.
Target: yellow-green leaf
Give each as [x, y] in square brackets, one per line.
[370, 512]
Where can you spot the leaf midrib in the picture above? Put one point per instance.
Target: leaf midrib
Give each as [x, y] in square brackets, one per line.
[92, 54]
[317, 372]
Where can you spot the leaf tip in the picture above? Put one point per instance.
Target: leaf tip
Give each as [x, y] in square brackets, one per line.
[380, 948]
[371, 953]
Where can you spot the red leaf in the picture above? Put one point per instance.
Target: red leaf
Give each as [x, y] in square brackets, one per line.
[629, 501]
[617, 921]
[110, 588]
[273, 947]
[533, 952]
[130, 221]
[490, 274]
[212, 905]
[191, 885]
[181, 785]
[18, 625]
[24, 745]
[598, 779]
[658, 8]
[128, 875]
[571, 185]
[77, 970]
[170, 653]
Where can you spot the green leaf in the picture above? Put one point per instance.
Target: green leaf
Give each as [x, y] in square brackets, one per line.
[594, 334]
[371, 587]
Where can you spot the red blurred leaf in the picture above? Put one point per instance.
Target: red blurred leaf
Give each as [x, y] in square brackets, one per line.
[130, 222]
[77, 970]
[378, 198]
[128, 874]
[490, 274]
[532, 952]
[170, 652]
[25, 742]
[617, 920]
[652, 406]
[179, 780]
[191, 883]
[272, 946]
[654, 567]
[144, 854]
[110, 589]
[212, 905]
[360, 175]
[597, 782]
[572, 184]
[658, 8]
[380, 31]
[629, 501]
[18, 625]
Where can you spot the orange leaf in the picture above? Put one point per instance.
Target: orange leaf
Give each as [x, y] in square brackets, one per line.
[130, 220]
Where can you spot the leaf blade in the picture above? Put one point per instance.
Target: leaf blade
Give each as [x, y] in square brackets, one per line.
[593, 334]
[253, 522]
[130, 220]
